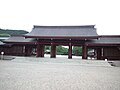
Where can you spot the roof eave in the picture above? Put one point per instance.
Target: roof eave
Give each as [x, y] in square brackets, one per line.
[102, 44]
[64, 37]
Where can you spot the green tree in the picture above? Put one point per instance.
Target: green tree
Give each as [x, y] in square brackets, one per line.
[13, 32]
[77, 51]
[61, 50]
[4, 35]
[47, 47]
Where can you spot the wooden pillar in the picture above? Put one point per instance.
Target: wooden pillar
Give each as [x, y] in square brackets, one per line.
[84, 52]
[53, 51]
[40, 51]
[99, 53]
[70, 51]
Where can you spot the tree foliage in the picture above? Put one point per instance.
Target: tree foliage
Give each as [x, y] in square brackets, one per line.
[4, 32]
[64, 51]
[47, 47]
[77, 51]
[4, 35]
[61, 50]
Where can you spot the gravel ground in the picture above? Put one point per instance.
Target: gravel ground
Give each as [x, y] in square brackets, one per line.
[58, 74]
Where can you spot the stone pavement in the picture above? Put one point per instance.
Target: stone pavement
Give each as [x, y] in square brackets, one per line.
[30, 73]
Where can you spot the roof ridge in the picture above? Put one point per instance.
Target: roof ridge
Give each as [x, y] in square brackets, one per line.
[54, 26]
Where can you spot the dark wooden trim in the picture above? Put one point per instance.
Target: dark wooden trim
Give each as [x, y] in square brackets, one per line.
[101, 44]
[109, 36]
[20, 43]
[64, 37]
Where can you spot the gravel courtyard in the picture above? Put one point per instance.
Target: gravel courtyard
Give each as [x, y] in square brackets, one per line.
[30, 73]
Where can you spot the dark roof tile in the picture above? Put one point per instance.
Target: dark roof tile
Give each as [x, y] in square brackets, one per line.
[18, 39]
[106, 40]
[63, 31]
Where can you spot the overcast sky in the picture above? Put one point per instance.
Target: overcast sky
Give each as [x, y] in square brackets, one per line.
[23, 14]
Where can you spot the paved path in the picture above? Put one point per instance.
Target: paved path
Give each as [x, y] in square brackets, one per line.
[58, 74]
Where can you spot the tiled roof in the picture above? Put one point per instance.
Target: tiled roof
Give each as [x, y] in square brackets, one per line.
[19, 39]
[106, 40]
[63, 31]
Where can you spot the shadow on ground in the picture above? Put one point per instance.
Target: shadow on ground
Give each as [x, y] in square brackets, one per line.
[114, 63]
[6, 57]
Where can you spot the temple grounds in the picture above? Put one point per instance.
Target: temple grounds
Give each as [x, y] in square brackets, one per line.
[30, 73]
